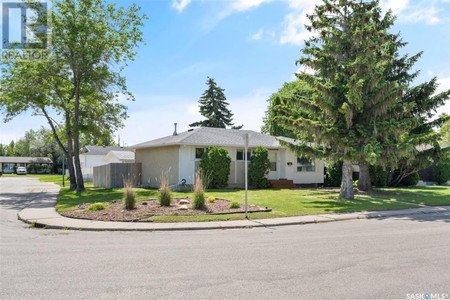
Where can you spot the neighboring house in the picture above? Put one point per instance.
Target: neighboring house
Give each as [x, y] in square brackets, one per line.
[119, 157]
[181, 153]
[94, 156]
[8, 164]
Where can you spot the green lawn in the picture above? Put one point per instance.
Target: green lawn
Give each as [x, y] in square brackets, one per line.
[427, 195]
[282, 202]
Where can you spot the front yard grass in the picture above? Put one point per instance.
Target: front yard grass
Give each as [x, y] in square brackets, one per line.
[283, 203]
[426, 195]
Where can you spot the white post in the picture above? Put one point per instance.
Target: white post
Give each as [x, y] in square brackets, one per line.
[246, 172]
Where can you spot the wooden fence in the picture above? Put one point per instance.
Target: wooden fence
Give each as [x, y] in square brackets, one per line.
[113, 175]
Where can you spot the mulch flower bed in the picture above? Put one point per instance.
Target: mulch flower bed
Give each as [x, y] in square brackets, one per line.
[114, 211]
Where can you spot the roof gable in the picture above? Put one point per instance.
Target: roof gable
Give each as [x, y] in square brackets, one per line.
[101, 150]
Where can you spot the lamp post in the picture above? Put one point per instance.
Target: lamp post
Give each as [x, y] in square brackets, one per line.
[246, 172]
[63, 169]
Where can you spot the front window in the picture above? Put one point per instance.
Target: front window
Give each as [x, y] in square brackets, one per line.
[199, 152]
[240, 155]
[305, 165]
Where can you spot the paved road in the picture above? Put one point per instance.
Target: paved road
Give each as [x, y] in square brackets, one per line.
[375, 258]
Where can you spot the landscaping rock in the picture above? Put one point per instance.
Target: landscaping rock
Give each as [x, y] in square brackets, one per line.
[183, 207]
[184, 201]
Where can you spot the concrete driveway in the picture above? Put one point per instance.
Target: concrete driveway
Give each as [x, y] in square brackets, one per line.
[360, 259]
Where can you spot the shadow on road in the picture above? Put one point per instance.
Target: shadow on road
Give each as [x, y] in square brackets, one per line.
[19, 201]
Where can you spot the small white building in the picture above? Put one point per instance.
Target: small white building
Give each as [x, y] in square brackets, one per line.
[181, 154]
[119, 157]
[94, 156]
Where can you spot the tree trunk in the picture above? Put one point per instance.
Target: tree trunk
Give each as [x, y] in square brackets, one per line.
[347, 182]
[364, 183]
[67, 150]
[76, 143]
[69, 155]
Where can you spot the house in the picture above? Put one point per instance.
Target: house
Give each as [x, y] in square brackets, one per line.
[8, 164]
[119, 157]
[181, 153]
[94, 156]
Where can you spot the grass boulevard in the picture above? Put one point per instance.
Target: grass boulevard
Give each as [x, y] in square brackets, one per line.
[284, 203]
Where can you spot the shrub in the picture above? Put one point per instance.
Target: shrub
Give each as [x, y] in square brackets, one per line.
[410, 180]
[165, 194]
[378, 176]
[333, 173]
[96, 207]
[199, 190]
[216, 164]
[34, 168]
[259, 167]
[129, 197]
[211, 199]
[442, 169]
[234, 204]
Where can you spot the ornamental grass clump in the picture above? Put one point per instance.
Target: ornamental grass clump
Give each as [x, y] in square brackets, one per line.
[235, 204]
[165, 194]
[199, 190]
[129, 197]
[96, 207]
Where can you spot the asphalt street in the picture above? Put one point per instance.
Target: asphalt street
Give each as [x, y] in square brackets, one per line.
[394, 258]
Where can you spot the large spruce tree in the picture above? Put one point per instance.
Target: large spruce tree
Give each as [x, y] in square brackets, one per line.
[350, 53]
[213, 106]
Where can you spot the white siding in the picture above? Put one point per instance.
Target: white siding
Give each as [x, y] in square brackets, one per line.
[303, 177]
[186, 164]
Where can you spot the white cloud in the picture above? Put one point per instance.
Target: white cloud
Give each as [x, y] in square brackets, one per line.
[397, 6]
[294, 31]
[180, 4]
[243, 5]
[427, 15]
[424, 11]
[258, 35]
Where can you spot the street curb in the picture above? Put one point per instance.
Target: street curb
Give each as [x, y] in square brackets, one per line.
[248, 224]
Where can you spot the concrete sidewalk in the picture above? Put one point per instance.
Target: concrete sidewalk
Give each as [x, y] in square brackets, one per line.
[42, 211]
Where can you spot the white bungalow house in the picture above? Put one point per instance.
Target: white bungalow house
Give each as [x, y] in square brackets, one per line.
[94, 156]
[181, 153]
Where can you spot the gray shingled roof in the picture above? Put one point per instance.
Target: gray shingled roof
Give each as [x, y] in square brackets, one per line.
[123, 155]
[25, 160]
[205, 136]
[101, 150]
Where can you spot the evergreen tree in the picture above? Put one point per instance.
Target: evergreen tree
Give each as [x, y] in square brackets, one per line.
[259, 168]
[213, 106]
[289, 90]
[445, 131]
[350, 54]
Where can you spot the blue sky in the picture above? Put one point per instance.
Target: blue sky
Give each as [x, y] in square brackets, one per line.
[250, 48]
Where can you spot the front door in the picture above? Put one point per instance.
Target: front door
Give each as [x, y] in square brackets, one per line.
[273, 157]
